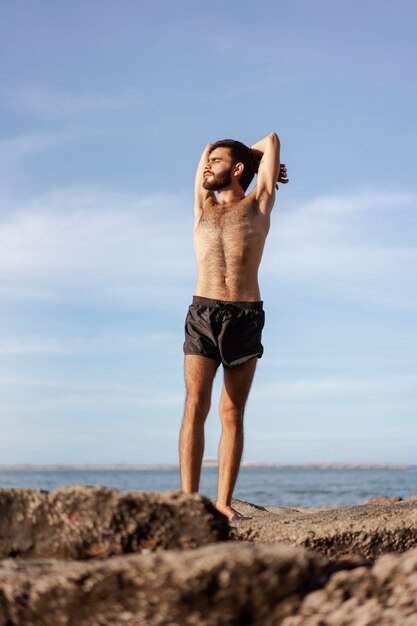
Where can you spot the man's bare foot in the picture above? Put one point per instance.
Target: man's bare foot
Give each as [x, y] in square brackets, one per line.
[231, 514]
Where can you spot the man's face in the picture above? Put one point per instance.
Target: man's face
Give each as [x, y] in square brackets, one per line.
[218, 171]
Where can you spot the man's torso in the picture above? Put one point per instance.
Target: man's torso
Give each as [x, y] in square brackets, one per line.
[229, 242]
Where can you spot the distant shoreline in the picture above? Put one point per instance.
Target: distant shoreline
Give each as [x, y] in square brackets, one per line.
[147, 467]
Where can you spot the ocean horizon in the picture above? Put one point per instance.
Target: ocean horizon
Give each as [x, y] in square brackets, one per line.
[304, 485]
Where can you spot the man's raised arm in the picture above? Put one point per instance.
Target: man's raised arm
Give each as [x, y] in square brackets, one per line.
[266, 152]
[201, 194]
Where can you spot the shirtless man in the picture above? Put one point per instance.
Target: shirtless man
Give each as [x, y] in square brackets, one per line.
[224, 323]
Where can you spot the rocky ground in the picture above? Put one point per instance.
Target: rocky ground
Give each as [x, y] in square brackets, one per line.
[85, 556]
[383, 525]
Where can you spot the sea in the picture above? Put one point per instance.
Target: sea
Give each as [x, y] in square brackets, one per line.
[302, 486]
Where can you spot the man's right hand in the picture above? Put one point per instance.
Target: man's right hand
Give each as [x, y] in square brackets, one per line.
[200, 193]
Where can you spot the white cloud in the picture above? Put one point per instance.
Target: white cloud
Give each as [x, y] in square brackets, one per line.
[56, 396]
[18, 148]
[354, 246]
[75, 402]
[33, 345]
[91, 243]
[305, 388]
[108, 344]
[16, 291]
[15, 148]
[42, 100]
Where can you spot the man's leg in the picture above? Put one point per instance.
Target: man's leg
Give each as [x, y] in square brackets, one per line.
[237, 382]
[199, 376]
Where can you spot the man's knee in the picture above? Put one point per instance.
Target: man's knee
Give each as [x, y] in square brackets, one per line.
[197, 404]
[231, 414]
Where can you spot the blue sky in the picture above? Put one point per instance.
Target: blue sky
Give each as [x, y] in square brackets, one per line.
[105, 108]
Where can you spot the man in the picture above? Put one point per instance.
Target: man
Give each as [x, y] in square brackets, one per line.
[224, 323]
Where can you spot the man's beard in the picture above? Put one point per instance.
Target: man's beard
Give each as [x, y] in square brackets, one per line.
[218, 181]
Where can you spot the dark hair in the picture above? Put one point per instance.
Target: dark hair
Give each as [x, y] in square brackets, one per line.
[240, 154]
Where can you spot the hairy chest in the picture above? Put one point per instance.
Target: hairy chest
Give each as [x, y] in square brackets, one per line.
[227, 222]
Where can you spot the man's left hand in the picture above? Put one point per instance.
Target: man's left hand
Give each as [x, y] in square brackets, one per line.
[282, 176]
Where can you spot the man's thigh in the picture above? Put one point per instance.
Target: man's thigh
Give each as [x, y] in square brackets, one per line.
[237, 383]
[199, 373]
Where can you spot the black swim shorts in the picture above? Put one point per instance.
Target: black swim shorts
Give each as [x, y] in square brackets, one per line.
[228, 332]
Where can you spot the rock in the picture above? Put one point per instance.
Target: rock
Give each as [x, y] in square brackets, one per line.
[217, 585]
[252, 581]
[368, 530]
[385, 595]
[382, 499]
[81, 522]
